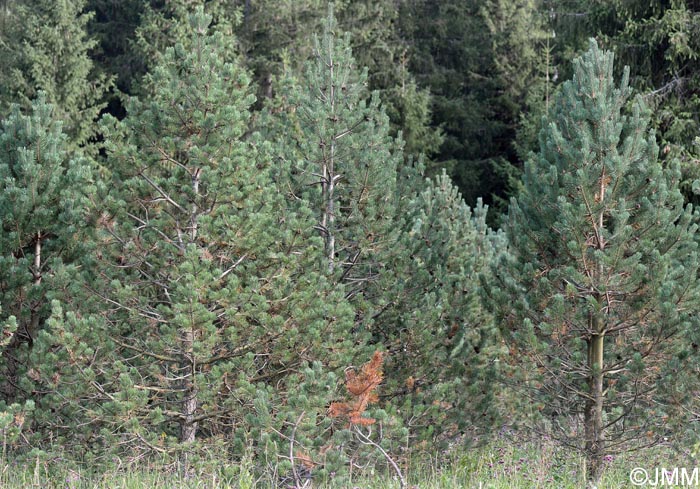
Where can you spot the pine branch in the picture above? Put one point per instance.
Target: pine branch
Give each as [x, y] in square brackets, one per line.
[368, 441]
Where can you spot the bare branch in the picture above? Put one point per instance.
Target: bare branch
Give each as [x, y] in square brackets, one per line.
[233, 267]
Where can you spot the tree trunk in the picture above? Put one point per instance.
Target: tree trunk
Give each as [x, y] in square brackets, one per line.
[34, 320]
[26, 330]
[188, 428]
[328, 185]
[593, 413]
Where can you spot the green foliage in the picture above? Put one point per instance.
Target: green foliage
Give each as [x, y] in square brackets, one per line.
[406, 262]
[344, 163]
[602, 250]
[377, 44]
[114, 24]
[442, 341]
[46, 49]
[479, 61]
[201, 296]
[276, 36]
[42, 211]
[205, 304]
[277, 39]
[132, 35]
[665, 55]
[164, 24]
[659, 39]
[410, 109]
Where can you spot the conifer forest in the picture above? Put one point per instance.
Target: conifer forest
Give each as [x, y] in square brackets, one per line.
[294, 242]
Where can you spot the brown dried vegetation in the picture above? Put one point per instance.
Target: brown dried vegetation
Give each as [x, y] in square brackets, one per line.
[362, 387]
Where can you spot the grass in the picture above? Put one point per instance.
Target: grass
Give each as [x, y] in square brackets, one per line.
[501, 465]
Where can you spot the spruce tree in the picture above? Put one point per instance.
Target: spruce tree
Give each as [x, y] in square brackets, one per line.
[47, 49]
[602, 285]
[114, 24]
[524, 67]
[478, 61]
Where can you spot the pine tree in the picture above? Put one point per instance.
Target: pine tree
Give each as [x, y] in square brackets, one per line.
[276, 38]
[406, 284]
[344, 165]
[344, 160]
[442, 341]
[163, 25]
[47, 49]
[602, 285]
[42, 214]
[206, 307]
[659, 39]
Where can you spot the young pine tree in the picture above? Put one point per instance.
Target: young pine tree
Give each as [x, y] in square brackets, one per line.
[442, 341]
[41, 216]
[602, 285]
[275, 38]
[344, 163]
[164, 24]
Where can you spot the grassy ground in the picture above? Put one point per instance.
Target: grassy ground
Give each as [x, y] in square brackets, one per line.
[499, 466]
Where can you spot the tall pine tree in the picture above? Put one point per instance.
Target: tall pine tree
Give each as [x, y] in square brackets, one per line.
[344, 164]
[602, 286]
[344, 161]
[42, 211]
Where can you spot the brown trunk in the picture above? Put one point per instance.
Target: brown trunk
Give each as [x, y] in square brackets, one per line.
[593, 410]
[593, 413]
[188, 427]
[26, 329]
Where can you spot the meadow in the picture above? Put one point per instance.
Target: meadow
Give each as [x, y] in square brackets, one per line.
[502, 464]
